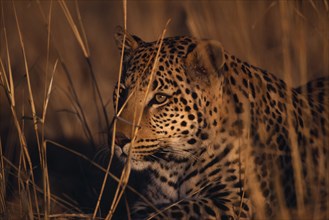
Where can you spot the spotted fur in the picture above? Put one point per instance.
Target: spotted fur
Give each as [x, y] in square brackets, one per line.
[215, 130]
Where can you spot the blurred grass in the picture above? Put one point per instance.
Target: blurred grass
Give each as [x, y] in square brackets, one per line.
[59, 66]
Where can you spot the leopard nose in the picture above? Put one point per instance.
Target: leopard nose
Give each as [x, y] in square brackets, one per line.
[121, 140]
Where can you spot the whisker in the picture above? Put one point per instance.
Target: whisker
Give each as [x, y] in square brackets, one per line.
[101, 154]
[178, 152]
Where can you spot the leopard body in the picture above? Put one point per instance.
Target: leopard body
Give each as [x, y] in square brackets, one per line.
[220, 138]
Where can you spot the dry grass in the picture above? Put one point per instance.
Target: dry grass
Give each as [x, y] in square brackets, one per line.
[58, 66]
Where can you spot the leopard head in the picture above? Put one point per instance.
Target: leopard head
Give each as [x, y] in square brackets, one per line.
[166, 106]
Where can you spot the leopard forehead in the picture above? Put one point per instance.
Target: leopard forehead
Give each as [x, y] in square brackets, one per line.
[170, 61]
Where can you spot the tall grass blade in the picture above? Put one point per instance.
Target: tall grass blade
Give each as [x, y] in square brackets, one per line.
[74, 28]
[295, 154]
[32, 104]
[2, 183]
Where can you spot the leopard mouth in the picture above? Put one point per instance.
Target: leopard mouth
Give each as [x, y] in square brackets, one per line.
[122, 144]
[120, 153]
[137, 164]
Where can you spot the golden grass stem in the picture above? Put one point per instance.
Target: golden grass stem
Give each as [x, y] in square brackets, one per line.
[48, 52]
[82, 40]
[84, 35]
[116, 111]
[296, 159]
[29, 86]
[2, 182]
[11, 88]
[74, 28]
[46, 192]
[47, 98]
[25, 157]
[45, 175]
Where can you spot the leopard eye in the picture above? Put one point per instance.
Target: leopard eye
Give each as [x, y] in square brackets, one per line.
[160, 98]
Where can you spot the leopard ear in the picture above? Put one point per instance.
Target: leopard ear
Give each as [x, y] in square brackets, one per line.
[131, 42]
[206, 58]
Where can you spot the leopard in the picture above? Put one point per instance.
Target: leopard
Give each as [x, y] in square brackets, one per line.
[218, 137]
